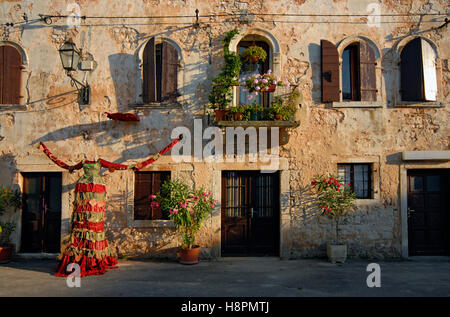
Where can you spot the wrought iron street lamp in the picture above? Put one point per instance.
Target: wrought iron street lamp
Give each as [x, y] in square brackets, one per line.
[70, 57]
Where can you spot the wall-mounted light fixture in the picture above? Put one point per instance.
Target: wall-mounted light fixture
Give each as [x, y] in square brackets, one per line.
[70, 57]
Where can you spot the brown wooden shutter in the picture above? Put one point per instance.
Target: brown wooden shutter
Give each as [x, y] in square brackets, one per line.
[11, 74]
[411, 82]
[169, 73]
[142, 188]
[368, 83]
[2, 73]
[149, 72]
[329, 71]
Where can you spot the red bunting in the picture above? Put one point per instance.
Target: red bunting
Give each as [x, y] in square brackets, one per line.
[119, 116]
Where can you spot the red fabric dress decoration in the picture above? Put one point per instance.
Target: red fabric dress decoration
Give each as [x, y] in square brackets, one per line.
[88, 244]
[119, 116]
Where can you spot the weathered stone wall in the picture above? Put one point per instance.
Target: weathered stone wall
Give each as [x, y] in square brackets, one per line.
[325, 137]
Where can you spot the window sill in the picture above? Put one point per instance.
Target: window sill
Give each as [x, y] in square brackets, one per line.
[152, 224]
[157, 105]
[13, 107]
[419, 104]
[357, 104]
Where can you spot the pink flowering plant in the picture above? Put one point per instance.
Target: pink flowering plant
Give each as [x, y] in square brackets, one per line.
[187, 208]
[257, 82]
[335, 199]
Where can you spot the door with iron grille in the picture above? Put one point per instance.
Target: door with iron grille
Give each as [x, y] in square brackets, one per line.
[250, 213]
[41, 216]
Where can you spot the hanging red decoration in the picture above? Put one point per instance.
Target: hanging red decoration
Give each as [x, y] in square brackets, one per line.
[119, 116]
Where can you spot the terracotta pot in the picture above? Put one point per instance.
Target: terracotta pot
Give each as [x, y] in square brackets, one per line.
[270, 88]
[5, 254]
[189, 256]
[278, 117]
[253, 59]
[220, 114]
[237, 116]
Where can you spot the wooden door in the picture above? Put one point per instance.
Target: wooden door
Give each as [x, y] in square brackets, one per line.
[250, 213]
[41, 216]
[428, 212]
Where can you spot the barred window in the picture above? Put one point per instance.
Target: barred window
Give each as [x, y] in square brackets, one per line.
[359, 176]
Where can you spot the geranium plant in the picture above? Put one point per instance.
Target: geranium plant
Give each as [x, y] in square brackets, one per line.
[335, 199]
[187, 207]
[259, 83]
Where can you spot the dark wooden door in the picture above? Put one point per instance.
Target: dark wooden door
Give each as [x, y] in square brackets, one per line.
[428, 212]
[250, 214]
[41, 217]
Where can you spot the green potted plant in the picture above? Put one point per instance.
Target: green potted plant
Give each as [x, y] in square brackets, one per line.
[254, 54]
[221, 93]
[278, 108]
[188, 209]
[335, 200]
[9, 199]
[237, 112]
[254, 111]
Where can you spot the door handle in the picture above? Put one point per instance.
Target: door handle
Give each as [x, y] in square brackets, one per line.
[410, 211]
[251, 212]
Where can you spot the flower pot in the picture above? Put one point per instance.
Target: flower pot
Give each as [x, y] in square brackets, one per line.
[270, 88]
[337, 253]
[189, 256]
[252, 59]
[5, 254]
[237, 116]
[220, 114]
[278, 117]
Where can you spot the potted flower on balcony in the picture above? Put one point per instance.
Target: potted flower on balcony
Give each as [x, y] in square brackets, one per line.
[262, 83]
[9, 199]
[188, 209]
[237, 113]
[335, 201]
[253, 54]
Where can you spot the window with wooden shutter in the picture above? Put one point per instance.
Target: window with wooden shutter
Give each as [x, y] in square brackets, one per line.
[329, 71]
[418, 71]
[160, 74]
[146, 184]
[351, 73]
[10, 75]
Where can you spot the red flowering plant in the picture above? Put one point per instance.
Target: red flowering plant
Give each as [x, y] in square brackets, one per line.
[187, 207]
[335, 199]
[8, 198]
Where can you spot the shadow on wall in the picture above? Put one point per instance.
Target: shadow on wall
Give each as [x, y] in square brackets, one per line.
[124, 71]
[314, 59]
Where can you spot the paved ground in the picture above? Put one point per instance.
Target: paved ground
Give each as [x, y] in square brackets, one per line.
[234, 277]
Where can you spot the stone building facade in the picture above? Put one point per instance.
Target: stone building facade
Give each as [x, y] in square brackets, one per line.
[393, 137]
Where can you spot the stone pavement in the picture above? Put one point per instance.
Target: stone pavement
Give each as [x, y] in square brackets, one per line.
[234, 277]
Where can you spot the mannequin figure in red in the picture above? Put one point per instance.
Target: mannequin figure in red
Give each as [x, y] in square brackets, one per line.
[88, 245]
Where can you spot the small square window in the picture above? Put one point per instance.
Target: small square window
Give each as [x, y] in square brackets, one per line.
[146, 184]
[359, 176]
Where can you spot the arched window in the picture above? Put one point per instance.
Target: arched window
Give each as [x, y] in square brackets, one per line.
[418, 71]
[160, 72]
[357, 78]
[248, 69]
[10, 75]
